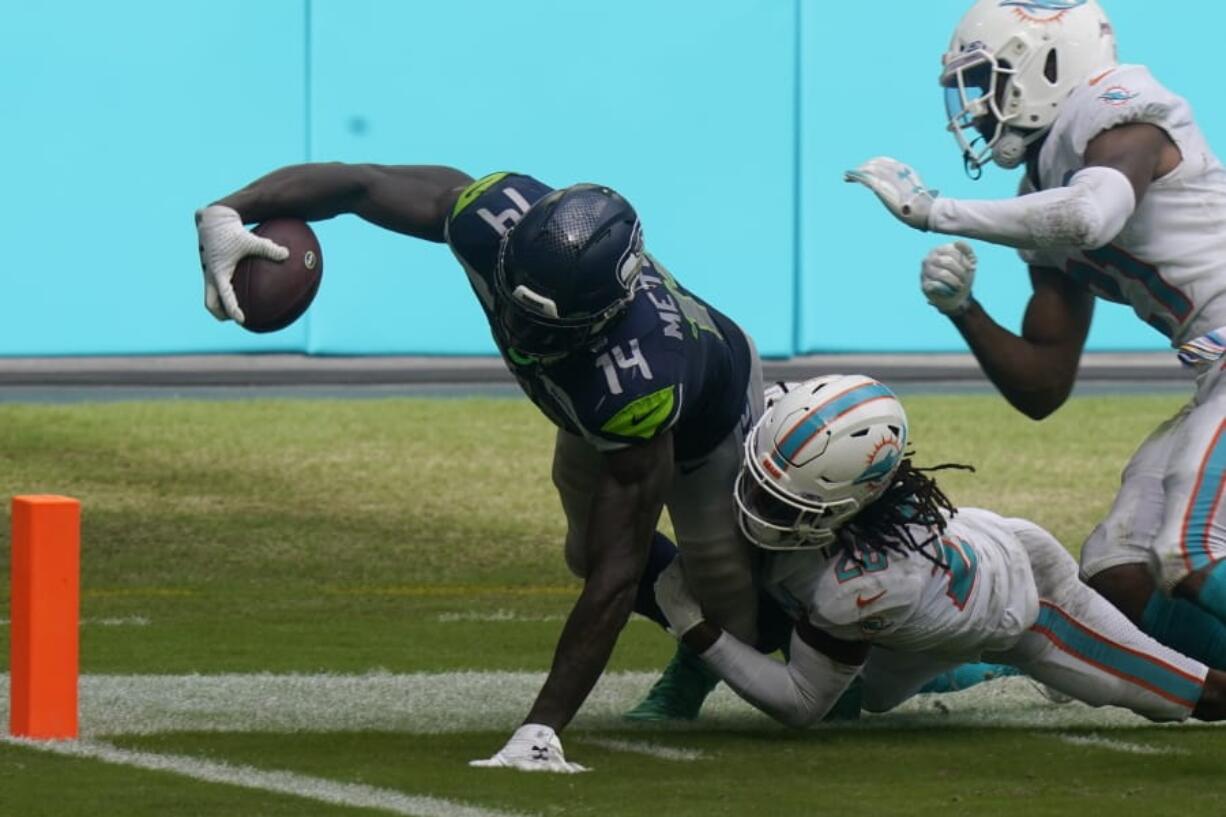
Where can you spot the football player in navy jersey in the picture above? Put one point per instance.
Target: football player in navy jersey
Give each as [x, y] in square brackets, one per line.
[651, 390]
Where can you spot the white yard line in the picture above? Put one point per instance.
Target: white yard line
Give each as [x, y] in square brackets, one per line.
[297, 785]
[432, 703]
[510, 615]
[638, 747]
[493, 615]
[1113, 745]
[121, 621]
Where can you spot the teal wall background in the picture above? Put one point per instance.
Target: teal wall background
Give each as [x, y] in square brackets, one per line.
[868, 88]
[727, 122]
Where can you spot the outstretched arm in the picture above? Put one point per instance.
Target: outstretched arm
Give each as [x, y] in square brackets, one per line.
[798, 693]
[1086, 213]
[409, 199]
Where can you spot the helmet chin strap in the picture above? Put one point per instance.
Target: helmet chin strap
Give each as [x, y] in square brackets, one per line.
[973, 168]
[1010, 149]
[1008, 152]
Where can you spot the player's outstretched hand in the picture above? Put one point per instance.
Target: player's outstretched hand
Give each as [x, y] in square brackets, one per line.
[946, 277]
[533, 748]
[899, 187]
[682, 610]
[224, 241]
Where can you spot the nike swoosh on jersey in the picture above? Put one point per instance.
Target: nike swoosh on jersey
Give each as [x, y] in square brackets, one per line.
[865, 602]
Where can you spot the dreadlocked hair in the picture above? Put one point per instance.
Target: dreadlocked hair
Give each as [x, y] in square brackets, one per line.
[912, 502]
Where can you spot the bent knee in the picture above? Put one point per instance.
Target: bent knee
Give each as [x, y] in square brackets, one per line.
[1128, 588]
[576, 559]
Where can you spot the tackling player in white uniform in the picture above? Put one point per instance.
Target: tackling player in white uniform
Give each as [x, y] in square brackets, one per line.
[865, 550]
[1124, 200]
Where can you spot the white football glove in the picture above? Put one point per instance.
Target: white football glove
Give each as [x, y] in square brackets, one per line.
[224, 241]
[533, 748]
[946, 277]
[899, 187]
[682, 610]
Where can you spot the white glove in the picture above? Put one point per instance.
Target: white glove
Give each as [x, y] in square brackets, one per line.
[224, 241]
[899, 187]
[533, 748]
[946, 277]
[682, 610]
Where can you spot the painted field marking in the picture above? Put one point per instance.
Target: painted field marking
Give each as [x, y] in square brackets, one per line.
[121, 621]
[495, 702]
[298, 785]
[461, 590]
[137, 593]
[1110, 744]
[639, 747]
[494, 616]
[116, 621]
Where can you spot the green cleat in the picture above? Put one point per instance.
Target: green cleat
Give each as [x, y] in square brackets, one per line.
[967, 676]
[678, 694]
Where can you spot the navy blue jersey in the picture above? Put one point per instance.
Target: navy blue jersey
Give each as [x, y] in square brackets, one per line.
[669, 361]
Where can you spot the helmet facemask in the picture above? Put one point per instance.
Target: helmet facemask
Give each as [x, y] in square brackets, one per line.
[974, 82]
[533, 333]
[774, 521]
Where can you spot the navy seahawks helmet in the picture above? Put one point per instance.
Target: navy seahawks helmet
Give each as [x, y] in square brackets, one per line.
[567, 269]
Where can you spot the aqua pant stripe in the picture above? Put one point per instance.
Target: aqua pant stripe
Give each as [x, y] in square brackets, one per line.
[1170, 297]
[1202, 507]
[1130, 665]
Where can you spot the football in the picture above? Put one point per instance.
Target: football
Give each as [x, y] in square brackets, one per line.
[273, 294]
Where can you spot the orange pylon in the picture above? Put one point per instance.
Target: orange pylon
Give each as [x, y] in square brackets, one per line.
[46, 603]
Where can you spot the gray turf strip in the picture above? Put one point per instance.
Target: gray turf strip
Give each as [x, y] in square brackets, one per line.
[432, 703]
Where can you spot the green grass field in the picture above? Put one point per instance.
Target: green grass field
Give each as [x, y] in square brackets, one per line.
[328, 607]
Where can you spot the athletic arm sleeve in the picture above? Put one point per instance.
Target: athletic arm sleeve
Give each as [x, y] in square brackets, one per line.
[1086, 214]
[797, 693]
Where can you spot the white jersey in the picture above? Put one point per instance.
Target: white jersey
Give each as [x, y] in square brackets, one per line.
[1169, 262]
[982, 602]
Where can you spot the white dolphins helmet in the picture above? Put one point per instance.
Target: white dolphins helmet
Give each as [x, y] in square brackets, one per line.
[1017, 61]
[820, 453]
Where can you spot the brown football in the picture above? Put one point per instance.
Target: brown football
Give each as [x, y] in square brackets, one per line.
[273, 294]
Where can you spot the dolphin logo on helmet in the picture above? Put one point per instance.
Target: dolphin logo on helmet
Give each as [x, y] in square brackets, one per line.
[1042, 11]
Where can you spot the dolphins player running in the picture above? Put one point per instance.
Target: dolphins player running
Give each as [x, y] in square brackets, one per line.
[1123, 199]
[865, 549]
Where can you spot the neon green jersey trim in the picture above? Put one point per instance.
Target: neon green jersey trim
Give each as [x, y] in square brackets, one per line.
[695, 314]
[520, 359]
[476, 189]
[644, 417]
